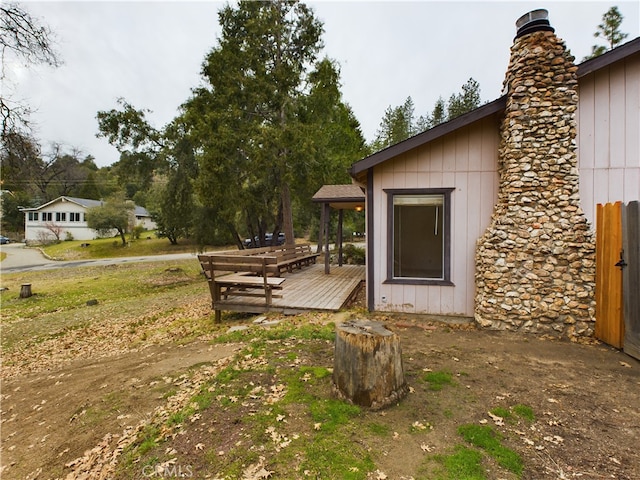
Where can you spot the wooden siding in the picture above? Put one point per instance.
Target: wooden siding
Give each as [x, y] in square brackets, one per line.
[463, 154]
[609, 135]
[465, 160]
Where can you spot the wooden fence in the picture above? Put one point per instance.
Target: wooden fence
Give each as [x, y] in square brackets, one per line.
[618, 276]
[631, 277]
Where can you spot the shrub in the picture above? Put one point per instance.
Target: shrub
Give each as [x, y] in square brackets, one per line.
[353, 255]
[137, 232]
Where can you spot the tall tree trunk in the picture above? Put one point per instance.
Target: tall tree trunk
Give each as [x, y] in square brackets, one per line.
[287, 215]
[236, 236]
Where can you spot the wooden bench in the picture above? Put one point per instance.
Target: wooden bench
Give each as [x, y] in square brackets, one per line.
[245, 276]
[294, 256]
[253, 272]
[281, 258]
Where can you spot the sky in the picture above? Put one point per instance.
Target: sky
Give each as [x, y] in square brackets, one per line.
[151, 52]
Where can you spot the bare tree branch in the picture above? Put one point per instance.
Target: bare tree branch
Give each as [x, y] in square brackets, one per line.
[23, 38]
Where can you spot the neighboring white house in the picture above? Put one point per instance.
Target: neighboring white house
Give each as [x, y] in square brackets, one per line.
[67, 215]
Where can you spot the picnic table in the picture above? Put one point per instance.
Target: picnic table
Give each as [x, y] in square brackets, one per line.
[253, 272]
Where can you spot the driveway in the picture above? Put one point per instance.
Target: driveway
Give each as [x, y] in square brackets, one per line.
[24, 259]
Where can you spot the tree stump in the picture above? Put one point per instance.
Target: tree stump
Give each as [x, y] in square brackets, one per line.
[25, 290]
[367, 368]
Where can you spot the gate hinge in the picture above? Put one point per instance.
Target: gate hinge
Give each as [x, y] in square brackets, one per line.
[621, 263]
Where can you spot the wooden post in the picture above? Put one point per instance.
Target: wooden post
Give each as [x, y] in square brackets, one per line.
[339, 236]
[327, 222]
[367, 368]
[25, 290]
[631, 277]
[321, 230]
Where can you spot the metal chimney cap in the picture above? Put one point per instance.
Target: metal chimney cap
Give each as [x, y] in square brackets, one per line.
[534, 21]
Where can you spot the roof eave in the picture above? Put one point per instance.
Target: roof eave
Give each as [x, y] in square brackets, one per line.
[359, 169]
[340, 200]
[428, 135]
[609, 58]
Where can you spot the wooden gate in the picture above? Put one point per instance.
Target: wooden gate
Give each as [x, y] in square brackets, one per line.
[631, 277]
[618, 276]
[609, 302]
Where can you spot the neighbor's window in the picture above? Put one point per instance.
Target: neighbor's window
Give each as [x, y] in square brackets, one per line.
[33, 216]
[419, 236]
[74, 216]
[47, 216]
[61, 216]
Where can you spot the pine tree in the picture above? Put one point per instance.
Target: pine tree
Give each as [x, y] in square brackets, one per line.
[609, 29]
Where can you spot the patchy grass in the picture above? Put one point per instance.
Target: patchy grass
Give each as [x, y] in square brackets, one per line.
[277, 409]
[123, 292]
[464, 464]
[379, 429]
[502, 412]
[112, 248]
[525, 412]
[437, 380]
[272, 408]
[489, 440]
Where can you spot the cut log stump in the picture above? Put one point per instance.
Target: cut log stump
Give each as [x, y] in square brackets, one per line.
[367, 368]
[25, 290]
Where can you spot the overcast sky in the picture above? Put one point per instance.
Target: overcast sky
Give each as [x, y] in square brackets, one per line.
[150, 53]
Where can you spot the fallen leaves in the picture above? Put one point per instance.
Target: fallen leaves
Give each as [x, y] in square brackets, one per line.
[99, 462]
[279, 440]
[124, 333]
[256, 471]
[498, 420]
[421, 426]
[276, 393]
[555, 439]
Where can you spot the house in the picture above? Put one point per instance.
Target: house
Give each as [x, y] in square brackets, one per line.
[491, 215]
[66, 215]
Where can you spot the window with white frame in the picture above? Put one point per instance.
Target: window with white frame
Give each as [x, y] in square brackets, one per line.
[74, 216]
[47, 216]
[33, 216]
[419, 239]
[61, 216]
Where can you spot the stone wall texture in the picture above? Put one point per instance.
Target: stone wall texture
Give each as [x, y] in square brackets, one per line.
[535, 263]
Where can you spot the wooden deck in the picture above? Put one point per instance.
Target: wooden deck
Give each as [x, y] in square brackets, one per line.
[309, 289]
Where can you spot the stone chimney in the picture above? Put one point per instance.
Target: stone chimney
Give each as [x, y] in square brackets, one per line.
[535, 263]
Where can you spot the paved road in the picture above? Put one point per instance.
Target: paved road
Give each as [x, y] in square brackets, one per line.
[23, 259]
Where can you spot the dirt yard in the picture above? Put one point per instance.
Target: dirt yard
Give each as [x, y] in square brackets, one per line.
[74, 420]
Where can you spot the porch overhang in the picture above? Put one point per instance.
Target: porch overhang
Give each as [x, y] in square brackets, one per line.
[338, 197]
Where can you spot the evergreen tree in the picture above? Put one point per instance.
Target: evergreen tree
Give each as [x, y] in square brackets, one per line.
[252, 120]
[438, 115]
[174, 203]
[609, 30]
[396, 125]
[464, 102]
